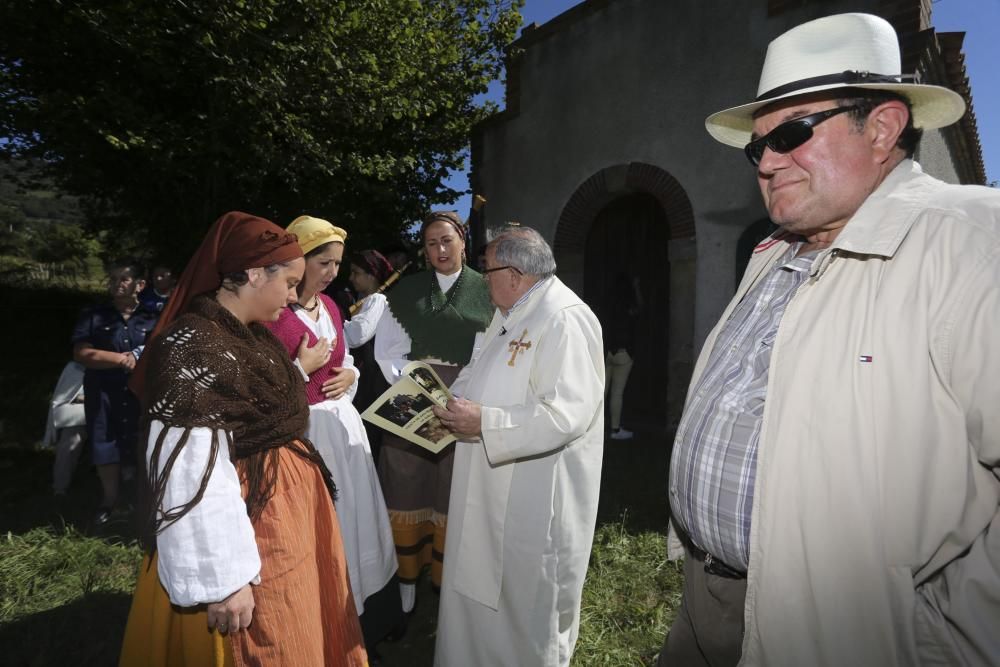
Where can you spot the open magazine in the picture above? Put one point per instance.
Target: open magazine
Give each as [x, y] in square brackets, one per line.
[405, 408]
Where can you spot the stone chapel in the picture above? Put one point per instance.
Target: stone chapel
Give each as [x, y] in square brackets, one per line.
[601, 146]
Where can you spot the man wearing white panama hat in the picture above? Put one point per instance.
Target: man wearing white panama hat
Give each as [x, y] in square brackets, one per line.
[835, 473]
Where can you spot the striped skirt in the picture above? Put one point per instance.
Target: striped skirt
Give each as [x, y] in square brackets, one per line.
[416, 485]
[304, 612]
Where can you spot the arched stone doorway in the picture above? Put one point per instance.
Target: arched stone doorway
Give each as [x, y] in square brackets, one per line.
[637, 219]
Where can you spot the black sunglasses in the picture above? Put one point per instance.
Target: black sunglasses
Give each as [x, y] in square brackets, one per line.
[789, 136]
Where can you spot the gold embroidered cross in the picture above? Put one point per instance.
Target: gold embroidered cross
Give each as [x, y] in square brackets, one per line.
[517, 346]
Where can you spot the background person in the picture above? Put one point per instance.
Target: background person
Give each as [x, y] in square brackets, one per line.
[433, 316]
[835, 470]
[369, 271]
[620, 324]
[527, 468]
[398, 256]
[107, 341]
[66, 426]
[246, 564]
[158, 289]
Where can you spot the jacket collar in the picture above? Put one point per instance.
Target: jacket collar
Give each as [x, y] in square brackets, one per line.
[877, 228]
[883, 221]
[885, 218]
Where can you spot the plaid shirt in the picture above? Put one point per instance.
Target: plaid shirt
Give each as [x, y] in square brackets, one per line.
[714, 461]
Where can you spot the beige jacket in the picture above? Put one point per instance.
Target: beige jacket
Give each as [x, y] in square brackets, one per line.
[875, 535]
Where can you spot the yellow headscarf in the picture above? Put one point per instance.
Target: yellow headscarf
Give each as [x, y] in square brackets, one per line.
[314, 232]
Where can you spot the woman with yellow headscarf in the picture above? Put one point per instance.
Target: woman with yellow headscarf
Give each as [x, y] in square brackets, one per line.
[312, 331]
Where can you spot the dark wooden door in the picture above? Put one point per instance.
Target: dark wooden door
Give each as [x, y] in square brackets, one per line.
[630, 235]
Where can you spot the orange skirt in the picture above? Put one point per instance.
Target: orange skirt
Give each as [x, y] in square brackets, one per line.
[304, 612]
[161, 635]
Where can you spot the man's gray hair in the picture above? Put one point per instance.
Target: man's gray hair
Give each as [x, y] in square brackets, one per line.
[525, 249]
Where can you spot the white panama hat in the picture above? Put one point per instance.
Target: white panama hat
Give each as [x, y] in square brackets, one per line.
[840, 51]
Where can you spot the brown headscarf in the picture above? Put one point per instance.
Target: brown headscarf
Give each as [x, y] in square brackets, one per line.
[236, 242]
[206, 369]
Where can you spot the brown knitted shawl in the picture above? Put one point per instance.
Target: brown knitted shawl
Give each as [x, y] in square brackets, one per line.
[208, 369]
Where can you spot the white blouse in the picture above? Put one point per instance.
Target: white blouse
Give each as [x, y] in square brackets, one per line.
[359, 329]
[392, 343]
[210, 552]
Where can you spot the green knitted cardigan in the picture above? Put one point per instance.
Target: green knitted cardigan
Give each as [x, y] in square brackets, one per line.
[441, 325]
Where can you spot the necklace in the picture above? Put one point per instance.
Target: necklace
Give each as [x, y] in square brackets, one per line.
[310, 309]
[435, 308]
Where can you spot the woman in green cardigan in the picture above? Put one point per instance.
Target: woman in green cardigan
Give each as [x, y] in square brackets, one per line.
[433, 316]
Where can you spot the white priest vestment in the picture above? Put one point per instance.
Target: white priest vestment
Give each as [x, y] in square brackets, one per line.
[524, 498]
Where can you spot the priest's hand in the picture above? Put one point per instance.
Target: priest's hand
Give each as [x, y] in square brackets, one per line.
[462, 417]
[339, 383]
[232, 614]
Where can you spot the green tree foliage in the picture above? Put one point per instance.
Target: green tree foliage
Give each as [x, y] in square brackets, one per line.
[163, 115]
[41, 233]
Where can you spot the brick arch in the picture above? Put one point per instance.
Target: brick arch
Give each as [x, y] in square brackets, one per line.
[678, 275]
[600, 189]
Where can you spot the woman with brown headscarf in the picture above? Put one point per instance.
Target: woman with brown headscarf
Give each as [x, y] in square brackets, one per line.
[246, 564]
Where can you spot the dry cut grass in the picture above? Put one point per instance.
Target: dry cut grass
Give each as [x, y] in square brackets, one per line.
[64, 597]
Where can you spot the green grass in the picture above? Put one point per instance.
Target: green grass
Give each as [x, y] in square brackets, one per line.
[629, 600]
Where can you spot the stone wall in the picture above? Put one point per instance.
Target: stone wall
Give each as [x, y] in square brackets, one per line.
[612, 84]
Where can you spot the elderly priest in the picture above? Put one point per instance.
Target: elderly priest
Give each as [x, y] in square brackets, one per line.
[529, 414]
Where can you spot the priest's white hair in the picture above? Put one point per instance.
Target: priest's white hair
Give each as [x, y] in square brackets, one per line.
[525, 249]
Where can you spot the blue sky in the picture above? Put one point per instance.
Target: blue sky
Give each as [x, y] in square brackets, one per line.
[979, 19]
